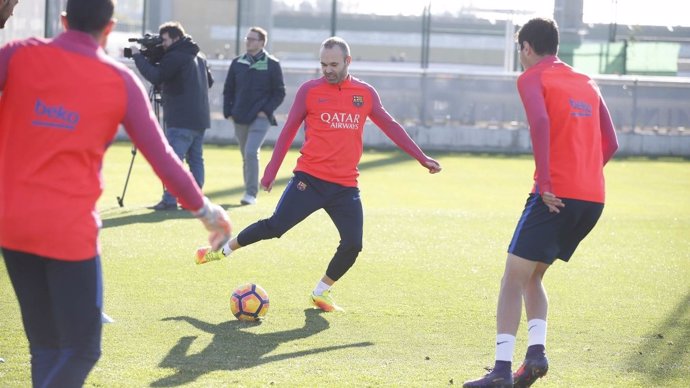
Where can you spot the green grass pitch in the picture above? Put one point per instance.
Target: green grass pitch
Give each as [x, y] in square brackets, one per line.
[420, 301]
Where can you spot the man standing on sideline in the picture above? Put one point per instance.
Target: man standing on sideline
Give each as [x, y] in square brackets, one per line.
[184, 78]
[334, 109]
[573, 138]
[53, 137]
[253, 90]
[6, 9]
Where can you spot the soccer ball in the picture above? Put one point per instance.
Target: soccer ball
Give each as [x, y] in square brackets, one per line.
[249, 302]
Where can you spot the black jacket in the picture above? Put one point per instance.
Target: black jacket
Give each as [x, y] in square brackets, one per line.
[253, 85]
[184, 78]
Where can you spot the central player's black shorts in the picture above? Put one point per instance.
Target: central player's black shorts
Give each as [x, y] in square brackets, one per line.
[543, 236]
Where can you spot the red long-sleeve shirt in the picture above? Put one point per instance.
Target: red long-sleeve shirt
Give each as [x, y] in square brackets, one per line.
[572, 133]
[62, 101]
[334, 117]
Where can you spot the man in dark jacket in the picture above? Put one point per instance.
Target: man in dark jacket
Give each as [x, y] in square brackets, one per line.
[184, 79]
[254, 89]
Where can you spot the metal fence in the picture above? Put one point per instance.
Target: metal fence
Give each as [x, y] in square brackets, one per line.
[456, 98]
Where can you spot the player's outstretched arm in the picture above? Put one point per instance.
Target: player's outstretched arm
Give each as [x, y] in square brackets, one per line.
[216, 221]
[398, 135]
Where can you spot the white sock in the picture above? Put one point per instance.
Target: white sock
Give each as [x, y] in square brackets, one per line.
[226, 249]
[505, 346]
[321, 287]
[536, 332]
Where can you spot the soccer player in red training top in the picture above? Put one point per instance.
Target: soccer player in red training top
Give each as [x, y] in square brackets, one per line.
[62, 101]
[572, 138]
[334, 108]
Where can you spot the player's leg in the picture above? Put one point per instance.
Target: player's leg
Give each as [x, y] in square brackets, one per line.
[76, 291]
[536, 300]
[61, 312]
[301, 198]
[536, 307]
[28, 277]
[298, 201]
[516, 274]
[533, 242]
[348, 217]
[574, 222]
[535, 364]
[509, 310]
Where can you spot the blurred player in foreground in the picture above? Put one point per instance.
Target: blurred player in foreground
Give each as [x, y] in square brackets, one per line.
[62, 101]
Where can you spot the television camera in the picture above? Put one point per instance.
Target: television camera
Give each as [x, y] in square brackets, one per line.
[151, 47]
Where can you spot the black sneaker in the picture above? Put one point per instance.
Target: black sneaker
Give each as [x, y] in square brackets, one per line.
[491, 380]
[530, 371]
[164, 206]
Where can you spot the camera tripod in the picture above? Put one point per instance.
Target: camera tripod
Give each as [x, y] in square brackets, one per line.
[155, 98]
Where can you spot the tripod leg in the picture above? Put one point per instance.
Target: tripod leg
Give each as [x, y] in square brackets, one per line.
[121, 200]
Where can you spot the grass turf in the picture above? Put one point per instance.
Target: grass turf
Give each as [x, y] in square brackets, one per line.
[420, 300]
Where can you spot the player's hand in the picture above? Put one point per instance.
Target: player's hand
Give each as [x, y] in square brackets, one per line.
[267, 188]
[216, 221]
[266, 185]
[432, 165]
[552, 202]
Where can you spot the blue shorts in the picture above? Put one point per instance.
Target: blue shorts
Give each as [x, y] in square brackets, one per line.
[543, 236]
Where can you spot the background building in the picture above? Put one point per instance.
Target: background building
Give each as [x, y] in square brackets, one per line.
[437, 64]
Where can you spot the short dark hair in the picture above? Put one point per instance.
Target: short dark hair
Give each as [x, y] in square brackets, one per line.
[263, 35]
[173, 29]
[336, 41]
[541, 34]
[89, 16]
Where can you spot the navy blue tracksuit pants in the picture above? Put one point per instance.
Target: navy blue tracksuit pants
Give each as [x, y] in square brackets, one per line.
[304, 195]
[60, 302]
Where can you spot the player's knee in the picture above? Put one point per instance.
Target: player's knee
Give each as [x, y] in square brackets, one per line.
[273, 228]
[351, 248]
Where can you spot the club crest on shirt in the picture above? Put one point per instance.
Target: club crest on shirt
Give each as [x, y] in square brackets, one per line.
[301, 186]
[357, 101]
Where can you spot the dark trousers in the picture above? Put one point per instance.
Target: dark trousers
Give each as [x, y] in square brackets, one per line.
[303, 196]
[60, 302]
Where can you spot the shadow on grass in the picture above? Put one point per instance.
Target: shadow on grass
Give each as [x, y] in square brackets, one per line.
[664, 354]
[128, 217]
[233, 348]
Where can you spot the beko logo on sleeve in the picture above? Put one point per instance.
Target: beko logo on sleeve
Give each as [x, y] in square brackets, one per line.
[54, 116]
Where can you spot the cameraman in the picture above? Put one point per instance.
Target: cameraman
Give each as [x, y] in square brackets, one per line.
[184, 79]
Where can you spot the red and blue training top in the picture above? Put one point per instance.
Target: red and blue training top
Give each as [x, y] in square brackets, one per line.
[572, 133]
[62, 102]
[334, 117]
